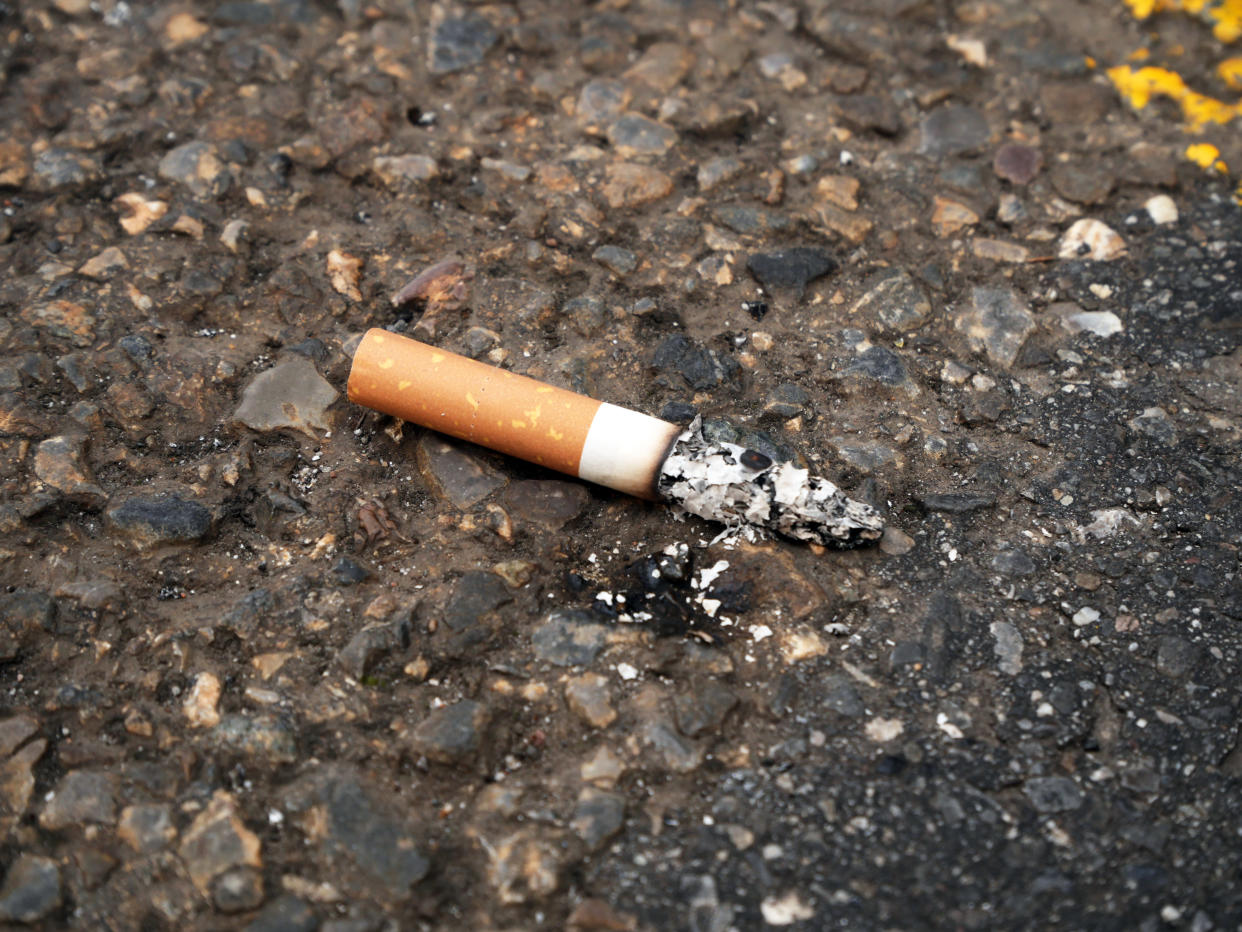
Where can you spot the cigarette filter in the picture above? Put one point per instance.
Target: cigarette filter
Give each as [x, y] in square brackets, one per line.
[602, 443]
[511, 413]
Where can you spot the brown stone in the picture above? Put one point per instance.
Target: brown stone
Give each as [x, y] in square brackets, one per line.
[590, 698]
[61, 463]
[841, 190]
[849, 226]
[14, 166]
[1017, 163]
[949, 216]
[218, 840]
[630, 185]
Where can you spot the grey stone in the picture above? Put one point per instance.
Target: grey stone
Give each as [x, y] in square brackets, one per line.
[703, 711]
[549, 503]
[786, 401]
[841, 696]
[597, 817]
[895, 300]
[238, 890]
[865, 456]
[677, 754]
[23, 615]
[953, 129]
[621, 262]
[31, 890]
[906, 653]
[1008, 647]
[290, 395]
[461, 43]
[1053, 794]
[81, 796]
[61, 169]
[587, 313]
[717, 171]
[147, 828]
[701, 367]
[1156, 424]
[712, 115]
[197, 166]
[452, 473]
[861, 112]
[286, 913]
[1013, 563]
[633, 134]
[1083, 182]
[452, 734]
[755, 221]
[374, 642]
[15, 731]
[347, 571]
[601, 101]
[267, 738]
[160, 520]
[1176, 657]
[365, 834]
[997, 322]
[569, 638]
[477, 594]
[879, 364]
[958, 503]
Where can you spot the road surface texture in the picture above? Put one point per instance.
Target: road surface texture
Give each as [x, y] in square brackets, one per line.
[269, 661]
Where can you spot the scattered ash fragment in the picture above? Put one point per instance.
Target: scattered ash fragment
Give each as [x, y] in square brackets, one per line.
[663, 591]
[740, 487]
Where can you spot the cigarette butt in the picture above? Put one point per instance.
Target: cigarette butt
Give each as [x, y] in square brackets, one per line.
[510, 413]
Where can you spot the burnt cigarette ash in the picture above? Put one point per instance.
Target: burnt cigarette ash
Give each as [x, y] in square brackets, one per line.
[728, 483]
[663, 591]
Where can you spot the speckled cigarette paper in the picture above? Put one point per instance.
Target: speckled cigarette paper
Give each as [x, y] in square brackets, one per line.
[471, 400]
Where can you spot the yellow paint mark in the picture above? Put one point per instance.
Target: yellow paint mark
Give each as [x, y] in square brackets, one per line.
[1206, 156]
[387, 364]
[533, 415]
[544, 390]
[1089, 61]
[403, 385]
[1224, 16]
[520, 425]
[1142, 8]
[1139, 86]
[1237, 195]
[470, 400]
[555, 434]
[378, 338]
[1139, 55]
[1230, 71]
[438, 357]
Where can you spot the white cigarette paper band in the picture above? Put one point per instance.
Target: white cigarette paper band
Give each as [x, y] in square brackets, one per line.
[624, 450]
[602, 443]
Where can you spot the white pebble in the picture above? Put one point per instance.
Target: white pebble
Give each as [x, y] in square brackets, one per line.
[1161, 209]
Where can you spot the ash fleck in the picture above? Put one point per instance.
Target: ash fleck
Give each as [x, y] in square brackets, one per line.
[728, 483]
[660, 590]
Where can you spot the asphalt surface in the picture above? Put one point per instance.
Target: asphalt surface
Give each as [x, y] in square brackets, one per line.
[270, 661]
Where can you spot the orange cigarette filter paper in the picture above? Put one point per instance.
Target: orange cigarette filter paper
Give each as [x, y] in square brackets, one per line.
[471, 400]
